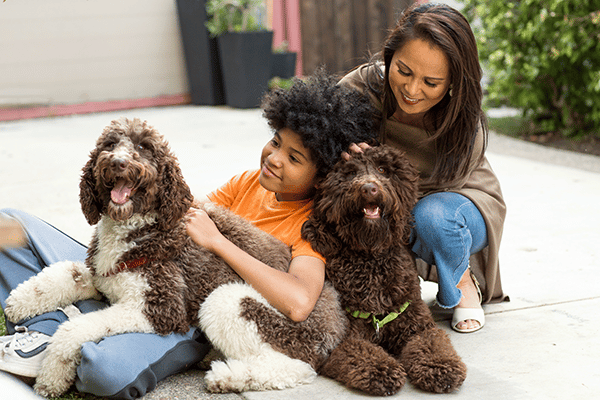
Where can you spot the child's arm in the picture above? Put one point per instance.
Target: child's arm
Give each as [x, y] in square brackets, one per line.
[294, 293]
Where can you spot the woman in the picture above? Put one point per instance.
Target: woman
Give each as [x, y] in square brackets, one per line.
[428, 89]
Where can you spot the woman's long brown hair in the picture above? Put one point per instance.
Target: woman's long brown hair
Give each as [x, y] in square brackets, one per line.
[452, 123]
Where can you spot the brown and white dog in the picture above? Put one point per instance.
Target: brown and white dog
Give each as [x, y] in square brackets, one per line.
[361, 224]
[158, 280]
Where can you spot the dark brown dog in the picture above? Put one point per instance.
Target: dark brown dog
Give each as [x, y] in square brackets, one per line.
[361, 224]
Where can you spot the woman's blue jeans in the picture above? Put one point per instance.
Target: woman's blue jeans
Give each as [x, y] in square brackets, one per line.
[122, 366]
[448, 229]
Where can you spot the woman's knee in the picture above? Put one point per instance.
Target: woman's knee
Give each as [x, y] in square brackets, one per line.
[433, 216]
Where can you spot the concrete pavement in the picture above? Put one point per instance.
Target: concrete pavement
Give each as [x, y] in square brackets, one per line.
[543, 344]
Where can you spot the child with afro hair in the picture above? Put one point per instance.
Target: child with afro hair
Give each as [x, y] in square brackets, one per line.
[314, 122]
[328, 117]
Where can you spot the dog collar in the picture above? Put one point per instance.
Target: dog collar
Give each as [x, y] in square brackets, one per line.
[376, 322]
[130, 264]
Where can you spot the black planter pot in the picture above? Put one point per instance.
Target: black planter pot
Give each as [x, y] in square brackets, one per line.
[284, 65]
[201, 54]
[246, 66]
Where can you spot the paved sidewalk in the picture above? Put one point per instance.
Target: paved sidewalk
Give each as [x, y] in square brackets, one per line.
[543, 344]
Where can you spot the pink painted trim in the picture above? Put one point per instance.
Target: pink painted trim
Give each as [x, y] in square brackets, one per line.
[286, 13]
[294, 35]
[11, 114]
[279, 34]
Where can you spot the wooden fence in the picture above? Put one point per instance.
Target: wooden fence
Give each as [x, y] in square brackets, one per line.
[341, 34]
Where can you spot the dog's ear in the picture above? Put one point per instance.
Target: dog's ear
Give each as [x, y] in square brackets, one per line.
[89, 198]
[321, 239]
[405, 179]
[175, 196]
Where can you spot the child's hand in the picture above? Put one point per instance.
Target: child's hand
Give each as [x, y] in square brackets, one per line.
[354, 148]
[202, 229]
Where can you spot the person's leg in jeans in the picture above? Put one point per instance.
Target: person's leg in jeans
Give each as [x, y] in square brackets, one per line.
[45, 245]
[127, 365]
[448, 229]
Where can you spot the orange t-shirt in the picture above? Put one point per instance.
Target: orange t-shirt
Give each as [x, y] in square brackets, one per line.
[245, 196]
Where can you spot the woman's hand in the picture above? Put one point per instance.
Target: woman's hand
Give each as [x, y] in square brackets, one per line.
[354, 148]
[202, 229]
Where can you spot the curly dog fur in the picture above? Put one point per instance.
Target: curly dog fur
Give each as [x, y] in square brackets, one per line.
[361, 224]
[158, 280]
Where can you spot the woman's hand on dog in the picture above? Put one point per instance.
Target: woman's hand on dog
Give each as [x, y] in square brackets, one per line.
[354, 148]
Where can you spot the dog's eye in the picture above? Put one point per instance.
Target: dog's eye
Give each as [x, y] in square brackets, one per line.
[382, 170]
[140, 147]
[111, 145]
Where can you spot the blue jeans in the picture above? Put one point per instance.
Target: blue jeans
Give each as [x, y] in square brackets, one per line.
[448, 229]
[123, 366]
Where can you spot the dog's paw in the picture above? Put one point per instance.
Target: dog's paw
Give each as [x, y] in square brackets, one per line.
[52, 382]
[18, 307]
[385, 379]
[432, 364]
[226, 376]
[442, 376]
[57, 373]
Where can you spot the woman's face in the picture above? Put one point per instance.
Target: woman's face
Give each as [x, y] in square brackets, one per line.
[419, 77]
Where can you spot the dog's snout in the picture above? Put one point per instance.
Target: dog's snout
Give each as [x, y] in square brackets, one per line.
[370, 189]
[119, 163]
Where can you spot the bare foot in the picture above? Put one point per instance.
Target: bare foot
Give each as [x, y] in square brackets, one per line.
[469, 299]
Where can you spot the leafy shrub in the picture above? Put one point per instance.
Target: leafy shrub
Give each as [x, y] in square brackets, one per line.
[233, 16]
[542, 57]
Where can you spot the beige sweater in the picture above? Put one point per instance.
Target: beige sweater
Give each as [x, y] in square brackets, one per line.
[480, 185]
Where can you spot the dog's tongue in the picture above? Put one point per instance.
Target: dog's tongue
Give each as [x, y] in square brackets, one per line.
[121, 192]
[371, 211]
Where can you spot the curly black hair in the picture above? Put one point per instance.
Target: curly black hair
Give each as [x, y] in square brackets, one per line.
[328, 117]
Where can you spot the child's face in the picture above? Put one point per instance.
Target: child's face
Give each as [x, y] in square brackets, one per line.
[287, 167]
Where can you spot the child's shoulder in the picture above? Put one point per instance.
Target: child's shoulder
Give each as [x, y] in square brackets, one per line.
[245, 179]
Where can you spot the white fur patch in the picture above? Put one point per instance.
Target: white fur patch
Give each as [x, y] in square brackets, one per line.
[111, 236]
[58, 285]
[252, 364]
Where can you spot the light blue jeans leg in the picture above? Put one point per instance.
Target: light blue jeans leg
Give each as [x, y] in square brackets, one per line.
[45, 245]
[448, 229]
[128, 366]
[123, 366]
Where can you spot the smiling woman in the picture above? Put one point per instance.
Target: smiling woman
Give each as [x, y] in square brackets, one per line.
[426, 81]
[419, 76]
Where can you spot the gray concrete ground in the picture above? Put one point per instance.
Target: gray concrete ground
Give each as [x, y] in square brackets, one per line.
[543, 344]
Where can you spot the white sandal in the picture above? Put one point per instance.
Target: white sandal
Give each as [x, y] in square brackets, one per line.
[463, 314]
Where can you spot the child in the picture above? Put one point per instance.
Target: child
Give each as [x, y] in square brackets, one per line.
[313, 122]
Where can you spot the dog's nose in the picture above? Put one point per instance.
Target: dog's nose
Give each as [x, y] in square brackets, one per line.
[119, 163]
[370, 189]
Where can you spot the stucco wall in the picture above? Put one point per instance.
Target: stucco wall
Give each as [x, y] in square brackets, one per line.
[75, 51]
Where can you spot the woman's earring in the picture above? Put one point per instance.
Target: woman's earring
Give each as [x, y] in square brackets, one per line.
[450, 91]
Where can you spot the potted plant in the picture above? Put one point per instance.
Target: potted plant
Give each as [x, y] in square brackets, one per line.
[284, 62]
[244, 49]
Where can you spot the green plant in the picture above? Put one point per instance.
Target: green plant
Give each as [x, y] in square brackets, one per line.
[544, 58]
[281, 48]
[280, 83]
[2, 323]
[233, 16]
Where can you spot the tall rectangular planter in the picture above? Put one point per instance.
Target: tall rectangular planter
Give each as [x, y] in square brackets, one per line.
[201, 54]
[246, 66]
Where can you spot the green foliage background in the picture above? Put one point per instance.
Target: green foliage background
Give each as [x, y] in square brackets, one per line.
[233, 16]
[542, 56]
